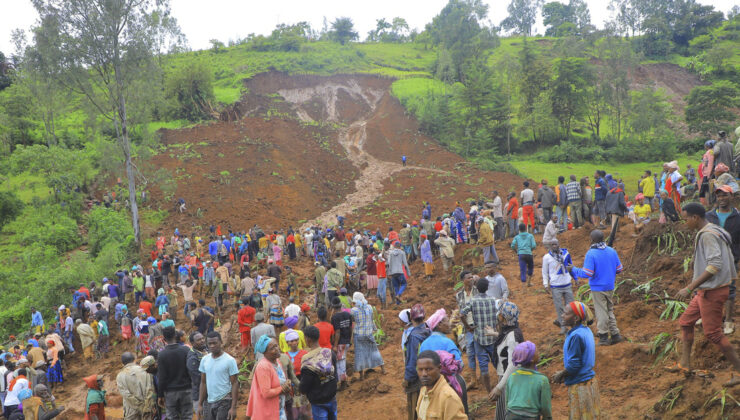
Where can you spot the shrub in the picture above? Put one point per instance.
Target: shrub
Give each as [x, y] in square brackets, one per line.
[48, 225]
[10, 207]
[191, 88]
[107, 226]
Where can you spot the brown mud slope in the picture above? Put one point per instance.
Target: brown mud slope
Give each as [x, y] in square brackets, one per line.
[295, 146]
[675, 80]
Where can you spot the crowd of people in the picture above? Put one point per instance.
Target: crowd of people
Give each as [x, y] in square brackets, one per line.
[298, 341]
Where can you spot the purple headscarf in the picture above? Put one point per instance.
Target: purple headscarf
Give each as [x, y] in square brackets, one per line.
[523, 353]
[449, 367]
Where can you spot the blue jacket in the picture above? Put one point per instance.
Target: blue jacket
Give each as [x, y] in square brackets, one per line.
[523, 243]
[600, 189]
[579, 355]
[438, 341]
[213, 248]
[600, 268]
[416, 337]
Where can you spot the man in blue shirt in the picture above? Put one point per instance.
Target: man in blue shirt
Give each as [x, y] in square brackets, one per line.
[601, 267]
[213, 248]
[36, 320]
[523, 244]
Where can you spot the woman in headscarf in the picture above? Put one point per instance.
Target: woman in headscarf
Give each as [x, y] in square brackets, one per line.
[673, 183]
[426, 256]
[439, 324]
[142, 331]
[156, 337]
[125, 322]
[54, 373]
[528, 394]
[290, 323]
[579, 357]
[162, 303]
[296, 406]
[270, 383]
[367, 355]
[450, 368]
[87, 338]
[95, 401]
[509, 335]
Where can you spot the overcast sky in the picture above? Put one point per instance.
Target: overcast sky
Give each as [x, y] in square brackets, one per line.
[232, 19]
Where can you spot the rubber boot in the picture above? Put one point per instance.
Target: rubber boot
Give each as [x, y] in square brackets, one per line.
[616, 339]
[603, 340]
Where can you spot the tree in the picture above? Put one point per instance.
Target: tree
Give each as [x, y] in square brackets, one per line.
[481, 109]
[709, 108]
[381, 27]
[569, 91]
[522, 15]
[562, 19]
[650, 113]
[108, 45]
[191, 87]
[40, 72]
[5, 68]
[616, 63]
[10, 207]
[534, 79]
[343, 30]
[458, 32]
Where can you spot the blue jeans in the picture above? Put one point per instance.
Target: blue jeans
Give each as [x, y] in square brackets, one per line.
[381, 289]
[408, 250]
[138, 296]
[399, 283]
[562, 217]
[526, 266]
[326, 411]
[485, 356]
[470, 349]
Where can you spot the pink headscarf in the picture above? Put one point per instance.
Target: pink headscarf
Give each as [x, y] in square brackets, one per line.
[436, 318]
[449, 367]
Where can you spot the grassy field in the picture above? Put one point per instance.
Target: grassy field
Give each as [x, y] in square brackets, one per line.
[629, 172]
[233, 64]
[25, 186]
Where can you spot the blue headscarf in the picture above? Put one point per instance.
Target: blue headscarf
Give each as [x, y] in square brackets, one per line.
[261, 346]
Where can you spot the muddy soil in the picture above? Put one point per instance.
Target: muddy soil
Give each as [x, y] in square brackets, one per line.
[335, 144]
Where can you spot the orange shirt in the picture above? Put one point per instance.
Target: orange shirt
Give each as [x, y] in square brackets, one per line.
[246, 318]
[146, 307]
[326, 331]
[514, 207]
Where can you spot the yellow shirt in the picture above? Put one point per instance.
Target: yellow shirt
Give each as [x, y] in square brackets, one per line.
[264, 242]
[648, 186]
[643, 211]
[284, 347]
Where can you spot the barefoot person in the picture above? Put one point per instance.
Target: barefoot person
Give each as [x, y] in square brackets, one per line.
[714, 269]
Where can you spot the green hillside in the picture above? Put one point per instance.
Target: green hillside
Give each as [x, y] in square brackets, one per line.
[580, 96]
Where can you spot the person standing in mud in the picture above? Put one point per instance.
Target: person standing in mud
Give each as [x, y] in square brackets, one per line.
[714, 269]
[403, 160]
[728, 218]
[601, 267]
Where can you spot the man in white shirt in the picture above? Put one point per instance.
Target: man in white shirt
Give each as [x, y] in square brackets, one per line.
[527, 203]
[557, 279]
[498, 216]
[11, 398]
[292, 309]
[3, 385]
[497, 286]
[551, 231]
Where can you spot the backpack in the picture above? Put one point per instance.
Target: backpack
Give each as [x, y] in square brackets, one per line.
[222, 251]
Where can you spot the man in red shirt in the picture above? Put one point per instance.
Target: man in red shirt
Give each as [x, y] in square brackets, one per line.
[245, 318]
[326, 330]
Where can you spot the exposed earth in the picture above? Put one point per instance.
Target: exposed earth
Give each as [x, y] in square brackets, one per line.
[304, 148]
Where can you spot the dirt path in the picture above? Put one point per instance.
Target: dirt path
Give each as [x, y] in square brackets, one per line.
[373, 171]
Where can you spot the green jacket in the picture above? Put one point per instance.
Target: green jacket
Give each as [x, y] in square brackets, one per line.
[335, 279]
[415, 231]
[523, 243]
